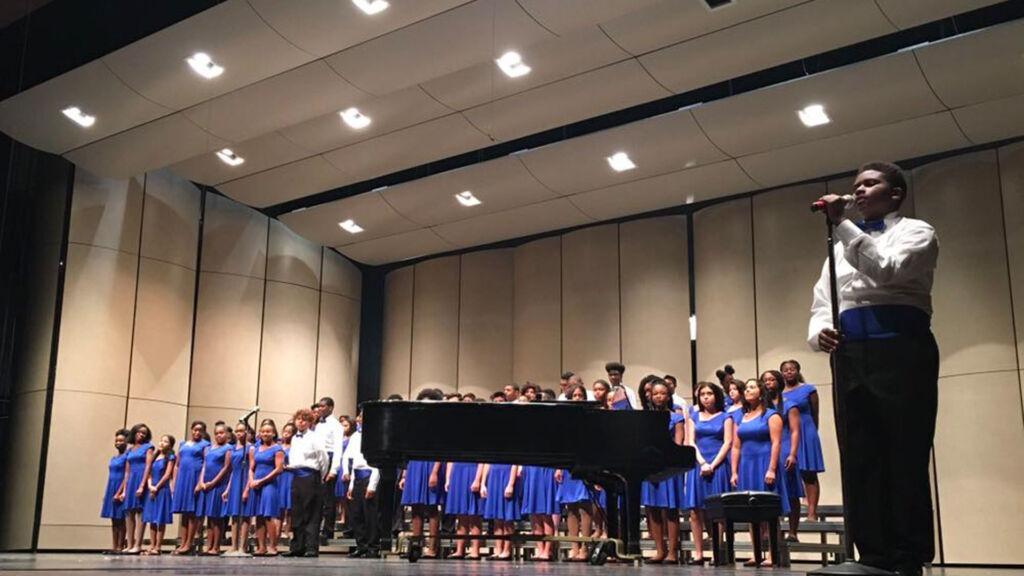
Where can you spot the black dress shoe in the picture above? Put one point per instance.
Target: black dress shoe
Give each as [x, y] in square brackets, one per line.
[370, 554]
[357, 554]
[291, 554]
[310, 554]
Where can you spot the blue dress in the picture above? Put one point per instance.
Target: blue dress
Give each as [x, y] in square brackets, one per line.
[265, 498]
[709, 435]
[496, 506]
[341, 487]
[136, 472]
[284, 484]
[539, 491]
[669, 492]
[809, 452]
[417, 491]
[755, 458]
[157, 509]
[211, 501]
[190, 463]
[571, 490]
[115, 475]
[239, 478]
[736, 414]
[461, 500]
[794, 487]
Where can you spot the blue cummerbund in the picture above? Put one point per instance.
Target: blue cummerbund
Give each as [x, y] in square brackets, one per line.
[363, 474]
[886, 321]
[303, 472]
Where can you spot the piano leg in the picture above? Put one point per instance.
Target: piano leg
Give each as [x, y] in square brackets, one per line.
[632, 505]
[386, 506]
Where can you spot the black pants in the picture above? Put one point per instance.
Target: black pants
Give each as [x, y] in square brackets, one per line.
[364, 518]
[329, 514]
[307, 495]
[887, 393]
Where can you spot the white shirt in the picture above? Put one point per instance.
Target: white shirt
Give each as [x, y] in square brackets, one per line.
[307, 451]
[354, 454]
[562, 397]
[894, 266]
[679, 401]
[333, 437]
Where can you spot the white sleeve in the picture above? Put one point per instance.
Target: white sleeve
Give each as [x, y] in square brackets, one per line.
[821, 309]
[339, 441]
[916, 252]
[374, 479]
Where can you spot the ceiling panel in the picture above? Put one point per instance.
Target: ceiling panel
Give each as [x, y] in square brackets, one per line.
[991, 121]
[670, 21]
[909, 13]
[324, 27]
[387, 113]
[409, 147]
[985, 65]
[765, 119]
[665, 191]
[287, 182]
[780, 37]
[566, 101]
[906, 139]
[565, 15]
[550, 60]
[370, 211]
[288, 98]
[259, 153]
[656, 145]
[472, 33]
[499, 184]
[533, 219]
[231, 33]
[396, 248]
[34, 116]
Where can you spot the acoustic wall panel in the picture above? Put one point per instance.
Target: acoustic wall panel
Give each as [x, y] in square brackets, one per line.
[234, 238]
[831, 480]
[291, 258]
[170, 220]
[537, 312]
[288, 355]
[590, 301]
[1011, 171]
[396, 345]
[161, 417]
[337, 366]
[106, 212]
[485, 321]
[960, 197]
[341, 276]
[724, 284]
[654, 279]
[435, 325]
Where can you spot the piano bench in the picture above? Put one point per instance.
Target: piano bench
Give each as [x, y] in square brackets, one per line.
[753, 507]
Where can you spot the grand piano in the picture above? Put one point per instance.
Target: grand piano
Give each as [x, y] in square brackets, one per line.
[616, 449]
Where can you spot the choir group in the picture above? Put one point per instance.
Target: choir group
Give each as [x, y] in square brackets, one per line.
[758, 434]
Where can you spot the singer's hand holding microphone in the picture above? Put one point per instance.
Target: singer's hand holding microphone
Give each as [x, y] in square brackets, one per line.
[833, 205]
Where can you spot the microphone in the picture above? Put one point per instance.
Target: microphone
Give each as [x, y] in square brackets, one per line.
[249, 414]
[819, 205]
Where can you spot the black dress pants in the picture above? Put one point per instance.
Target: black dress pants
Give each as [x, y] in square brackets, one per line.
[329, 513]
[364, 518]
[307, 495]
[887, 393]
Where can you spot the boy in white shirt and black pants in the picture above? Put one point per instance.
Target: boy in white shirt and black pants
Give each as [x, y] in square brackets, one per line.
[308, 463]
[363, 480]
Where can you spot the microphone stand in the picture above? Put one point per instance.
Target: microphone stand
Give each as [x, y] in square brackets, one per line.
[849, 566]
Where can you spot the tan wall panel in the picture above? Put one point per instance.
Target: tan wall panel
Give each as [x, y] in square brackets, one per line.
[485, 321]
[161, 417]
[725, 290]
[288, 360]
[162, 346]
[537, 313]
[789, 250]
[234, 238]
[1011, 169]
[831, 480]
[211, 414]
[435, 325]
[225, 362]
[291, 258]
[18, 499]
[337, 368]
[655, 299]
[81, 442]
[170, 221]
[985, 529]
[396, 349]
[590, 300]
[106, 212]
[96, 320]
[340, 276]
[77, 537]
[971, 296]
[279, 418]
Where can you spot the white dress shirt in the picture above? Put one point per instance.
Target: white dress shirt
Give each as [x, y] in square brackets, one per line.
[354, 455]
[892, 267]
[308, 451]
[332, 435]
[562, 397]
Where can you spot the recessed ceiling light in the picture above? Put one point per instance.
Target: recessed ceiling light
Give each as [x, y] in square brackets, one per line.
[813, 115]
[354, 118]
[204, 65]
[466, 198]
[229, 157]
[350, 226]
[371, 7]
[511, 63]
[78, 117]
[620, 162]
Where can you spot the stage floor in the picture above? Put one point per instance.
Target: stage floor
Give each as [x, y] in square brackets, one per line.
[95, 564]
